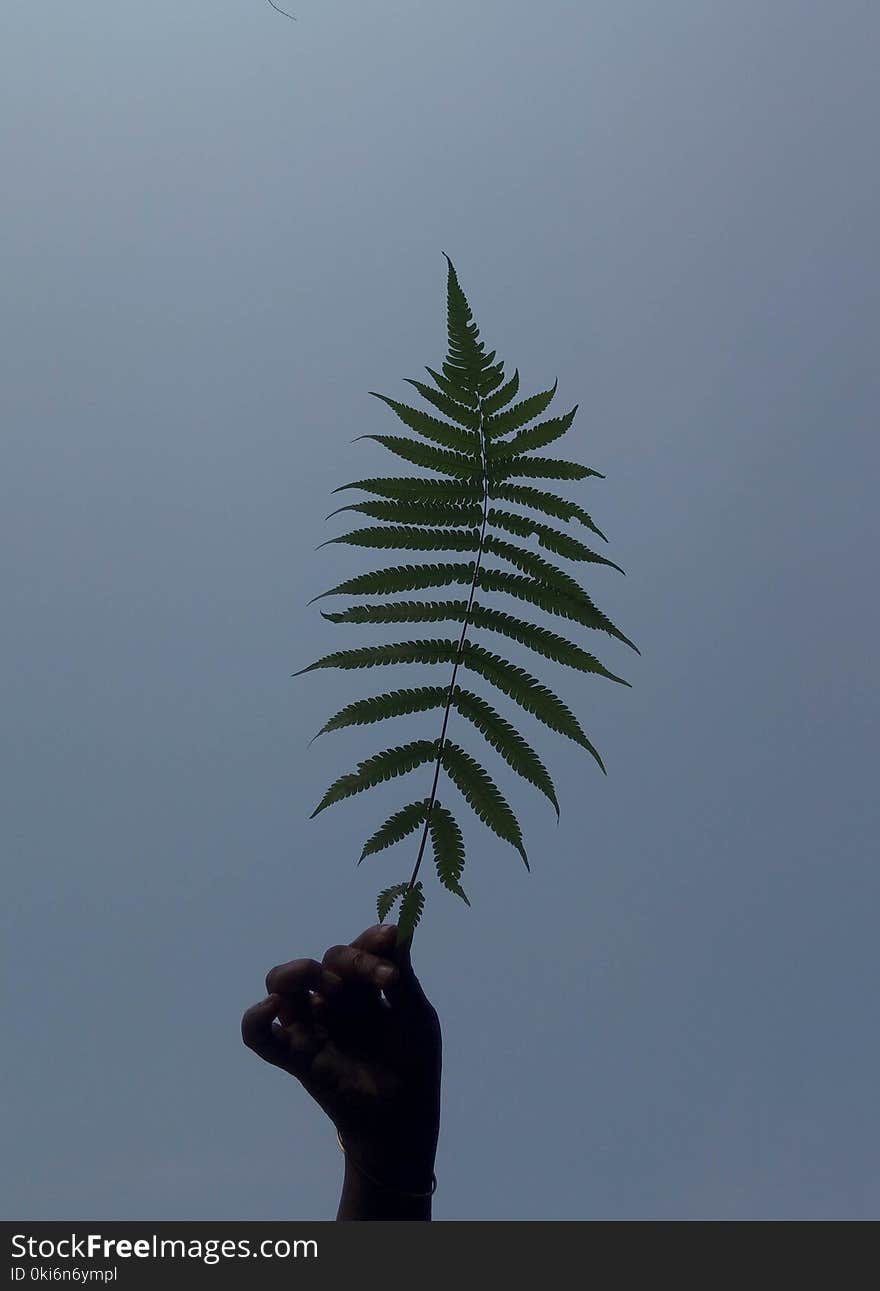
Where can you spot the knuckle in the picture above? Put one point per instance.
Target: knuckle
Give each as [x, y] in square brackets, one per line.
[246, 1023]
[334, 954]
[295, 975]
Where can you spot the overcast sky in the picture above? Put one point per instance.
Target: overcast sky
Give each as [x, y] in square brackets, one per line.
[220, 230]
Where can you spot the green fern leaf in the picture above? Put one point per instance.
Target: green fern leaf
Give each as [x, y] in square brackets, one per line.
[536, 638]
[458, 373]
[398, 703]
[461, 440]
[490, 380]
[502, 423]
[419, 512]
[466, 355]
[546, 432]
[382, 766]
[401, 612]
[405, 538]
[435, 459]
[373, 656]
[501, 397]
[412, 488]
[448, 845]
[402, 578]
[459, 412]
[386, 899]
[547, 503]
[529, 693]
[552, 600]
[396, 828]
[505, 740]
[411, 908]
[539, 468]
[541, 640]
[473, 446]
[459, 393]
[483, 795]
[531, 563]
[553, 539]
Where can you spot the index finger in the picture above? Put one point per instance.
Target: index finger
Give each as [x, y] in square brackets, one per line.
[378, 940]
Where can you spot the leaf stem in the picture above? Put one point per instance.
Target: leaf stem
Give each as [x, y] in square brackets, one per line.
[460, 650]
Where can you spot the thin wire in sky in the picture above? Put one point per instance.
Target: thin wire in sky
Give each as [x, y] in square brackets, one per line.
[284, 11]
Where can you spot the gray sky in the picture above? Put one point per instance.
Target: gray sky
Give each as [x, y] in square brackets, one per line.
[221, 229]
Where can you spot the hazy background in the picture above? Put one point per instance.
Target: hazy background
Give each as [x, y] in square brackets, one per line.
[220, 229]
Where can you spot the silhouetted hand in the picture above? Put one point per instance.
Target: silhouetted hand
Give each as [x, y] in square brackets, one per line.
[359, 1034]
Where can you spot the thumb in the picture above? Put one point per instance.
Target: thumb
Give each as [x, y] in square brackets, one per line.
[406, 993]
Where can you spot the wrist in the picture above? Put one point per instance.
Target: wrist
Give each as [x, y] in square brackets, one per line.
[397, 1165]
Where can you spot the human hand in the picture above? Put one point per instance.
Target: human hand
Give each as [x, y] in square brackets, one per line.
[359, 1034]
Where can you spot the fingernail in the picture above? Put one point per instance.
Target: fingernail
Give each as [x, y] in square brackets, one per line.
[384, 974]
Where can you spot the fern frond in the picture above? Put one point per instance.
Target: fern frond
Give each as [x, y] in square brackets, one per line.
[401, 578]
[396, 828]
[441, 432]
[505, 740]
[398, 703]
[483, 795]
[448, 845]
[547, 503]
[471, 448]
[529, 693]
[406, 538]
[382, 766]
